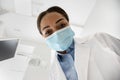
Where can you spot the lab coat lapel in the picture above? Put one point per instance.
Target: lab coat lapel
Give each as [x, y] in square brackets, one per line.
[82, 51]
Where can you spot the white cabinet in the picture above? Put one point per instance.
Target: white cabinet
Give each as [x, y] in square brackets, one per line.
[20, 26]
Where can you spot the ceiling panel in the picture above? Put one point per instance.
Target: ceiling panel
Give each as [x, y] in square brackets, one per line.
[78, 10]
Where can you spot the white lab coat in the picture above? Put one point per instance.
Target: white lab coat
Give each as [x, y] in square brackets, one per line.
[97, 57]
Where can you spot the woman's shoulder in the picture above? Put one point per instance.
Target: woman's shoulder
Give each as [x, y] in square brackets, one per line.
[87, 38]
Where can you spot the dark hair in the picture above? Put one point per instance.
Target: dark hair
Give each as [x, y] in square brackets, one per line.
[49, 10]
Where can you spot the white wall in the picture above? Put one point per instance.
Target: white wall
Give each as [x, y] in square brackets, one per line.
[1, 30]
[23, 7]
[105, 17]
[7, 4]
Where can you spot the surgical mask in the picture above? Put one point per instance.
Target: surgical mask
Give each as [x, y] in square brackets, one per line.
[61, 39]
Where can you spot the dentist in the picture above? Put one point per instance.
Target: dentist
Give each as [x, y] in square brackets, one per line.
[96, 57]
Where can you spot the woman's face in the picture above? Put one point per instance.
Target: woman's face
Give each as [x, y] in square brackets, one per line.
[52, 22]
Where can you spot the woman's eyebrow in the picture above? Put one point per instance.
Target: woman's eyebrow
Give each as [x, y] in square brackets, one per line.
[45, 27]
[59, 20]
[55, 22]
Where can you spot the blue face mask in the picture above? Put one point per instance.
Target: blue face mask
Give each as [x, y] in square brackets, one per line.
[61, 39]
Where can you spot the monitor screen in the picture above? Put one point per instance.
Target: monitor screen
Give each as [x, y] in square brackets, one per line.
[8, 48]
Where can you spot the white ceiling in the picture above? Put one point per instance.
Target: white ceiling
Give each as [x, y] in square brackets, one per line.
[78, 10]
[22, 26]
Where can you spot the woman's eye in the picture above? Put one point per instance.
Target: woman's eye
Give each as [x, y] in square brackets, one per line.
[48, 32]
[62, 25]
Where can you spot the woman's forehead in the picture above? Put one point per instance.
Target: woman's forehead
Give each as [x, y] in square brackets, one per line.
[50, 18]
